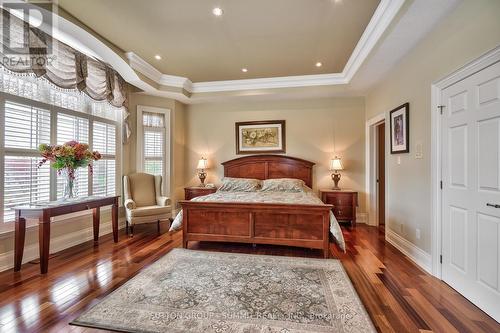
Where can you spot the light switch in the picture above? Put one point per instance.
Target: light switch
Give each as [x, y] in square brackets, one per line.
[418, 151]
[399, 160]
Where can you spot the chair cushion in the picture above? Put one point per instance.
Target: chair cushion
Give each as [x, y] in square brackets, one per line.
[142, 189]
[149, 211]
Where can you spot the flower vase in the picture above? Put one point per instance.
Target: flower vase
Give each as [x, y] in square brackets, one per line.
[69, 182]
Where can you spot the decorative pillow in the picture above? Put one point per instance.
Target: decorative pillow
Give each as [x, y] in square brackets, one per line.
[283, 185]
[240, 184]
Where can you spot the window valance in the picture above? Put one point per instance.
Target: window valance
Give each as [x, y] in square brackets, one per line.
[64, 66]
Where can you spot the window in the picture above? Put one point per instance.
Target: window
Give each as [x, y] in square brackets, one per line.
[152, 142]
[73, 128]
[104, 141]
[23, 182]
[154, 132]
[26, 125]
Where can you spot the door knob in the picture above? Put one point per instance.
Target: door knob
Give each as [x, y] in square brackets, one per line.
[493, 205]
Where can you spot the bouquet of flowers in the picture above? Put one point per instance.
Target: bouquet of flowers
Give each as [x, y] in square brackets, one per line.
[66, 158]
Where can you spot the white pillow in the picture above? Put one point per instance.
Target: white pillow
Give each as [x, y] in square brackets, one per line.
[230, 184]
[283, 185]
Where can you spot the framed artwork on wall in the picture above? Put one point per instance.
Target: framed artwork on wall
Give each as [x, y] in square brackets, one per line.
[400, 129]
[254, 137]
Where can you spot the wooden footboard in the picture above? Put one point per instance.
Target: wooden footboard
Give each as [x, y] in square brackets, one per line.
[259, 223]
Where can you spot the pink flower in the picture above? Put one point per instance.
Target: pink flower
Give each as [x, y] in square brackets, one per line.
[71, 143]
[70, 156]
[96, 155]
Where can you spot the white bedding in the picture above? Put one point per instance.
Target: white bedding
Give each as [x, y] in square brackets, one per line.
[303, 198]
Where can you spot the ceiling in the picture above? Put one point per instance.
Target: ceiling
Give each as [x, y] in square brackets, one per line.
[270, 38]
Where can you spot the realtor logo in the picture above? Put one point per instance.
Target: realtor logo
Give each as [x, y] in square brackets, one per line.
[26, 31]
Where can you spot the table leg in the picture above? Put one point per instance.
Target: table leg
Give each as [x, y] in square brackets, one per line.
[96, 215]
[44, 243]
[114, 220]
[20, 232]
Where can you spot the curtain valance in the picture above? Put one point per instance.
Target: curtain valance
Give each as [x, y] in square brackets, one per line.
[64, 66]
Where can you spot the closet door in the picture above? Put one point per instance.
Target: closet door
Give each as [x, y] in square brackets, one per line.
[471, 188]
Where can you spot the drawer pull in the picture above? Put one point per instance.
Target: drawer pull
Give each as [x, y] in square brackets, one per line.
[493, 205]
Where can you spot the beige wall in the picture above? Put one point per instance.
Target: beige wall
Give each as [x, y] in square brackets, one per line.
[471, 29]
[310, 128]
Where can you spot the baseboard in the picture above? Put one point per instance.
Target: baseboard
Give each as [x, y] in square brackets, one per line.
[362, 218]
[410, 250]
[57, 244]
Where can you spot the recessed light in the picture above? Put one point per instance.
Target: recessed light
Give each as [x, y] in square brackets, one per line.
[217, 11]
[158, 57]
[244, 70]
[318, 64]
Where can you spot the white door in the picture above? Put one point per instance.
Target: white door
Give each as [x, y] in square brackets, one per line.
[471, 188]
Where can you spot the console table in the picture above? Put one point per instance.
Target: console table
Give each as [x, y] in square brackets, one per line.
[46, 210]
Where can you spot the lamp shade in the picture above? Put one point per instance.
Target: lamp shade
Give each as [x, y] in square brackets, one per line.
[202, 163]
[336, 164]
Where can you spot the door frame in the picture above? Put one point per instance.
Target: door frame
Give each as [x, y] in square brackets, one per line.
[371, 169]
[377, 169]
[472, 67]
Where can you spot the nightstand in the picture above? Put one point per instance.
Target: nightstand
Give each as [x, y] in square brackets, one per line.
[344, 204]
[197, 191]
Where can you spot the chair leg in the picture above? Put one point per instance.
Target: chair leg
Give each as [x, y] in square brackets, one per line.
[131, 230]
[126, 227]
[158, 226]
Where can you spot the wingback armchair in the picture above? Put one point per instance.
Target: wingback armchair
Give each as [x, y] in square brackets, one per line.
[144, 202]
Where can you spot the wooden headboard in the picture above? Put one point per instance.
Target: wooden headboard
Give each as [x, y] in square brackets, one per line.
[269, 167]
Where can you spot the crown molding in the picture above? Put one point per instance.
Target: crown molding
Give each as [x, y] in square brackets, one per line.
[269, 83]
[176, 81]
[143, 67]
[380, 21]
[146, 69]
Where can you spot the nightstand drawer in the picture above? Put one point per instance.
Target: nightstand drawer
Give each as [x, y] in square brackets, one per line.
[339, 199]
[344, 204]
[343, 212]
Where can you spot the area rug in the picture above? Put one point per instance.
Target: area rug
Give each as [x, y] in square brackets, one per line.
[198, 291]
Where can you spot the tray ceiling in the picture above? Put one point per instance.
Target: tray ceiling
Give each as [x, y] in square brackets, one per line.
[270, 38]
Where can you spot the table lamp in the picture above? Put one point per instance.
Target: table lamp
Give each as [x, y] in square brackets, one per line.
[336, 166]
[202, 166]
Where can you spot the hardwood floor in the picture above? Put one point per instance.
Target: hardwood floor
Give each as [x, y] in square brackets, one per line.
[397, 294]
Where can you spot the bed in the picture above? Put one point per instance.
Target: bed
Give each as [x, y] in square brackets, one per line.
[293, 219]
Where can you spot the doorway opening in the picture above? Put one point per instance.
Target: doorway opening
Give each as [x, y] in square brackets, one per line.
[380, 172]
[376, 175]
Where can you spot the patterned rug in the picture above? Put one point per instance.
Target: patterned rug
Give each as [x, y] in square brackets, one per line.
[197, 291]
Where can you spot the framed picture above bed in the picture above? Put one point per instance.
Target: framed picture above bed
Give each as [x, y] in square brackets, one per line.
[253, 137]
[400, 129]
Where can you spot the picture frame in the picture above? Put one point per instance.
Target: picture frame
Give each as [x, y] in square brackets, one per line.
[400, 129]
[260, 137]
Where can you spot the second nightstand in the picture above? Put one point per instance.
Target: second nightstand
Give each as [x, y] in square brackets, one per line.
[197, 191]
[344, 204]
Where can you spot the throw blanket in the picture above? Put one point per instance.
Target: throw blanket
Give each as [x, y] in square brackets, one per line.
[302, 198]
